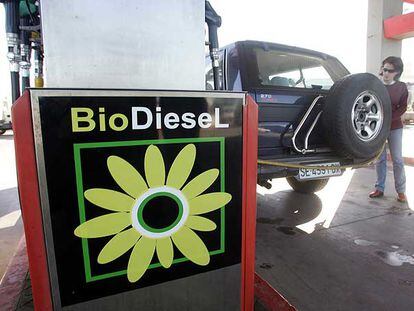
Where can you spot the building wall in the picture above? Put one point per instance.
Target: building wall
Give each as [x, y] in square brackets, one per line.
[378, 47]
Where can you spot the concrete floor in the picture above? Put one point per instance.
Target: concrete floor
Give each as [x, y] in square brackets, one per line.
[337, 249]
[11, 226]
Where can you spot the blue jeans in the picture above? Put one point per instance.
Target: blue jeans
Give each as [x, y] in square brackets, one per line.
[395, 145]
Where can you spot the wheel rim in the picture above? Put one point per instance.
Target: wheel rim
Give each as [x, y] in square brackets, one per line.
[367, 116]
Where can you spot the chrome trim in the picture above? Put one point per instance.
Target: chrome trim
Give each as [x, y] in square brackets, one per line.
[225, 73]
[302, 121]
[45, 92]
[44, 203]
[310, 131]
[367, 116]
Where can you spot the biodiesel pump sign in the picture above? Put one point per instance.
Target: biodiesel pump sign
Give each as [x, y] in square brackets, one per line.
[143, 193]
[171, 120]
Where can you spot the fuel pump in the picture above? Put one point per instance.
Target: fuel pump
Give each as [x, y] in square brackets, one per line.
[22, 27]
[125, 95]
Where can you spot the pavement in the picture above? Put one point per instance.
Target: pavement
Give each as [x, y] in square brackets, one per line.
[11, 225]
[338, 249]
[333, 250]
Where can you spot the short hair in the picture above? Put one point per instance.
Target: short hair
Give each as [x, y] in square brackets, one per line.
[397, 63]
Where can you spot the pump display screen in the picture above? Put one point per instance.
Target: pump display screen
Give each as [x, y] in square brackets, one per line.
[142, 197]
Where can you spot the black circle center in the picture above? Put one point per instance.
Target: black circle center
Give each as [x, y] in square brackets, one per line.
[160, 212]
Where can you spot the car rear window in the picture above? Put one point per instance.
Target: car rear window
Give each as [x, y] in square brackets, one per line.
[289, 69]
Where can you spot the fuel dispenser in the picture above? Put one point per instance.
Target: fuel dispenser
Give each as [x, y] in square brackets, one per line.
[138, 199]
[134, 198]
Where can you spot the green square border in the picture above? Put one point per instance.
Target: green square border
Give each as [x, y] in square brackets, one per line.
[81, 203]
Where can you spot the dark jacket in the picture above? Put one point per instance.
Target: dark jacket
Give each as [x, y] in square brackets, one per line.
[399, 96]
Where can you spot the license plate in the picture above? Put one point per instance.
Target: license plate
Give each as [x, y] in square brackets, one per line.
[312, 173]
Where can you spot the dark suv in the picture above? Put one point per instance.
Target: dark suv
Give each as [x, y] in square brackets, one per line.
[312, 112]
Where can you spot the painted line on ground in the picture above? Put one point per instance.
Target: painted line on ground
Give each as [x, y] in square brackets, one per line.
[10, 219]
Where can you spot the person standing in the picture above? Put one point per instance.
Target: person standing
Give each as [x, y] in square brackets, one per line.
[391, 70]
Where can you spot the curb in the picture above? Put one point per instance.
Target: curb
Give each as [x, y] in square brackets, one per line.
[13, 280]
[269, 297]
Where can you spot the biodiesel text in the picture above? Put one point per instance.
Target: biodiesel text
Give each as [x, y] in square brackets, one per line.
[84, 120]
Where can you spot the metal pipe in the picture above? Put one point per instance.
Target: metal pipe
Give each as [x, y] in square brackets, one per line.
[12, 16]
[15, 85]
[12, 35]
[25, 83]
[213, 21]
[25, 53]
[38, 64]
[38, 57]
[214, 55]
[302, 121]
[30, 28]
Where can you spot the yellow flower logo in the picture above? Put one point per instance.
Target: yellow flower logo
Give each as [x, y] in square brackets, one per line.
[128, 224]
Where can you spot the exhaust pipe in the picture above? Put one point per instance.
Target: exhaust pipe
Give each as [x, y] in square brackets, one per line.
[265, 183]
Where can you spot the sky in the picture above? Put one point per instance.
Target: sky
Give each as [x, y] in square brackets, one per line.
[335, 27]
[315, 24]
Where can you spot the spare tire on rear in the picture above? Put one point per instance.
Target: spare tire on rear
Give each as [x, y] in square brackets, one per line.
[357, 116]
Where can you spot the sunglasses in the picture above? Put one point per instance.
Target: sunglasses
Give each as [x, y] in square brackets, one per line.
[388, 70]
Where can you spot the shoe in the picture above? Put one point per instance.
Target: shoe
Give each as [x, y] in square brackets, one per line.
[376, 194]
[401, 197]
